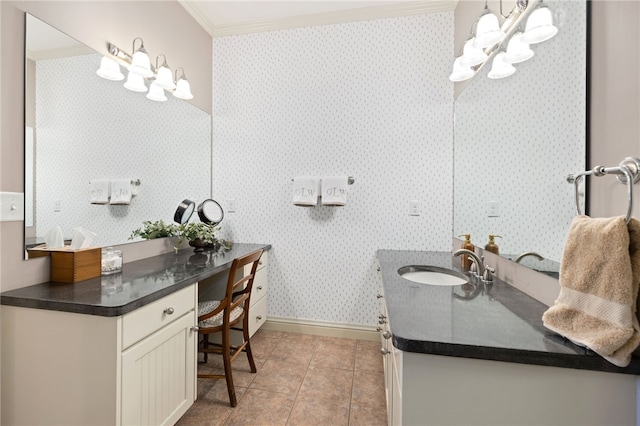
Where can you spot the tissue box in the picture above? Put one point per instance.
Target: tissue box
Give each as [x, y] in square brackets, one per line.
[71, 266]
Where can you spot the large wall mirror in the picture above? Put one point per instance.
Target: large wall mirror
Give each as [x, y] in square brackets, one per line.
[517, 139]
[82, 128]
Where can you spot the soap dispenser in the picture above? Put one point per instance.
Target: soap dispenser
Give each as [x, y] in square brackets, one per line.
[465, 260]
[491, 245]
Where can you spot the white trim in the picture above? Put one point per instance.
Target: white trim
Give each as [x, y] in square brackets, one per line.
[63, 52]
[326, 18]
[322, 328]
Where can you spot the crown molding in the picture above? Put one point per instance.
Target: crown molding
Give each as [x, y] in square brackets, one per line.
[335, 17]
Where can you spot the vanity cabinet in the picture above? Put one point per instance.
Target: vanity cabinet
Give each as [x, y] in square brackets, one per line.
[137, 368]
[258, 309]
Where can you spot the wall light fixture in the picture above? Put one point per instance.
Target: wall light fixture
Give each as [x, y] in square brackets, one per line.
[140, 69]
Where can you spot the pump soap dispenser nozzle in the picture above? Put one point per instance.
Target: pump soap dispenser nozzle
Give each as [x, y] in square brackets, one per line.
[465, 260]
[491, 245]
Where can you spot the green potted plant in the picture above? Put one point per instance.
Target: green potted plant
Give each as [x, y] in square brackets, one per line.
[158, 229]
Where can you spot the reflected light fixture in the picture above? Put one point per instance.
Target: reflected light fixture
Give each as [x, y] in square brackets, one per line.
[183, 89]
[141, 69]
[488, 31]
[517, 50]
[539, 26]
[109, 69]
[490, 38]
[500, 68]
[460, 71]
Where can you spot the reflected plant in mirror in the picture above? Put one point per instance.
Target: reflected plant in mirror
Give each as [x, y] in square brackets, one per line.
[83, 128]
[515, 141]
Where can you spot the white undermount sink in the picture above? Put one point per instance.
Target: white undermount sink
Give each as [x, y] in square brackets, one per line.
[432, 275]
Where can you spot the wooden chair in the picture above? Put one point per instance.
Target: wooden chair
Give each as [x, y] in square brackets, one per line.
[219, 316]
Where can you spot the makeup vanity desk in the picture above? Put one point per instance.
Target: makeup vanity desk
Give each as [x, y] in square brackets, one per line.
[117, 349]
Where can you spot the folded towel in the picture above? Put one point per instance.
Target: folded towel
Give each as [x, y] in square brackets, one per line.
[334, 190]
[121, 191]
[305, 191]
[99, 191]
[599, 280]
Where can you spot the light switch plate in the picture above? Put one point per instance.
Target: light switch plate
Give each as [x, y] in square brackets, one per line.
[11, 206]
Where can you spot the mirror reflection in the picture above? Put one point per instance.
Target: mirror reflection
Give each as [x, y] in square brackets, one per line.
[86, 132]
[517, 139]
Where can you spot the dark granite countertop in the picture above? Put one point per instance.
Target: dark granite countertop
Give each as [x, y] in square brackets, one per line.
[494, 322]
[140, 283]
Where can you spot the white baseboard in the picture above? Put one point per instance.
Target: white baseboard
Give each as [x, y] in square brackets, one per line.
[322, 328]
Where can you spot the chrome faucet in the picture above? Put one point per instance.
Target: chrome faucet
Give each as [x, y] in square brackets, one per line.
[528, 253]
[475, 258]
[484, 272]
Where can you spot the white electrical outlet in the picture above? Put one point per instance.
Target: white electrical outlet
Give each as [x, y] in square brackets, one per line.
[56, 206]
[493, 209]
[231, 206]
[415, 209]
[11, 206]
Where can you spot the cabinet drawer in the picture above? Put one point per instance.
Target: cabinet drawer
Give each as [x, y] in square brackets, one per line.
[142, 322]
[262, 263]
[260, 285]
[257, 315]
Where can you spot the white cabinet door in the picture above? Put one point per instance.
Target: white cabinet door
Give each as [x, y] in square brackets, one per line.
[158, 375]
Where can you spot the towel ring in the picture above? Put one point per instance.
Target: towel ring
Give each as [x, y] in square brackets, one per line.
[627, 172]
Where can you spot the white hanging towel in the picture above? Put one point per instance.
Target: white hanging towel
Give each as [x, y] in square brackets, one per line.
[121, 191]
[334, 190]
[305, 191]
[99, 191]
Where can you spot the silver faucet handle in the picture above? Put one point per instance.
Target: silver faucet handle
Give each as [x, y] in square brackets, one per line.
[488, 274]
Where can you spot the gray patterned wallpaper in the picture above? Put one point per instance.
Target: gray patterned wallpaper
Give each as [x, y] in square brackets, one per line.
[89, 128]
[516, 140]
[368, 99]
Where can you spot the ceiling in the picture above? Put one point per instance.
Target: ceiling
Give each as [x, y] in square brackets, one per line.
[229, 17]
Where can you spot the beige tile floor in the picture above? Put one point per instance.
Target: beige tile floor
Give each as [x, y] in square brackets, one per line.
[301, 380]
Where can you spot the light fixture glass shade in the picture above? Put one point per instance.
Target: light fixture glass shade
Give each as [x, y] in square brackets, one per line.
[183, 89]
[488, 32]
[164, 78]
[140, 64]
[156, 93]
[460, 72]
[135, 82]
[517, 50]
[539, 26]
[109, 69]
[472, 56]
[500, 68]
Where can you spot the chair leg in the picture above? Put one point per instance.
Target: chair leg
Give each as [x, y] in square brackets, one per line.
[245, 334]
[205, 344]
[226, 358]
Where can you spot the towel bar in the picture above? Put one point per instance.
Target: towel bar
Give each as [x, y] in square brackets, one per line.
[351, 180]
[628, 172]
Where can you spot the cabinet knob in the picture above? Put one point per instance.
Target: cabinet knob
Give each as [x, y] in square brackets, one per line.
[259, 317]
[169, 311]
[259, 287]
[195, 328]
[386, 334]
[379, 296]
[384, 351]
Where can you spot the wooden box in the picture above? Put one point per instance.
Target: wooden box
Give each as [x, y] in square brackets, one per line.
[71, 266]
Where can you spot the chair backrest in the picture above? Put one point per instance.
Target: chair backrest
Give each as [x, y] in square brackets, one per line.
[239, 291]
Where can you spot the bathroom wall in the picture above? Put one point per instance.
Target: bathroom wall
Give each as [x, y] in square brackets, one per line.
[368, 99]
[163, 24]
